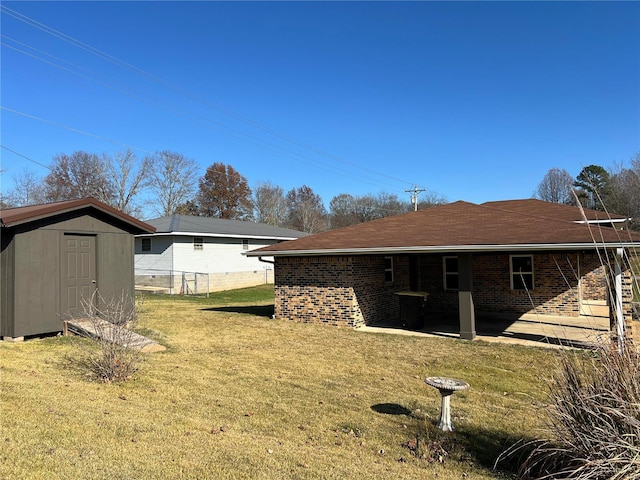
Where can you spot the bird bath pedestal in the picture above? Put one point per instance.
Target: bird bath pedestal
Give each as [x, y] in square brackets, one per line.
[446, 386]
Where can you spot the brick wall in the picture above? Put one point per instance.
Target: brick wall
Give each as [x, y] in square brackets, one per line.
[594, 284]
[316, 290]
[555, 285]
[347, 291]
[555, 289]
[352, 291]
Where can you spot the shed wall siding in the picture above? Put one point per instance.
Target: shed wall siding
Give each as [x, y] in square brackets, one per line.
[37, 282]
[115, 266]
[7, 303]
[34, 291]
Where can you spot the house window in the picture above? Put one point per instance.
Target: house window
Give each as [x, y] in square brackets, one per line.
[146, 245]
[245, 244]
[197, 243]
[388, 269]
[450, 269]
[521, 272]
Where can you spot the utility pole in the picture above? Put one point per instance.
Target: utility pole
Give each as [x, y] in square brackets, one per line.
[414, 196]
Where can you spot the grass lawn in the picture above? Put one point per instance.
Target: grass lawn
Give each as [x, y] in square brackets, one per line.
[238, 395]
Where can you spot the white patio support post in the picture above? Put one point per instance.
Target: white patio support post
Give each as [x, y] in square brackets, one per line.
[619, 313]
[465, 298]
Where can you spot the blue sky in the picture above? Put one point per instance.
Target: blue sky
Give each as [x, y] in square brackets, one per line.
[471, 100]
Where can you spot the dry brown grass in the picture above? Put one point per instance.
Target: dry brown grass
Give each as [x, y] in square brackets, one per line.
[594, 420]
[237, 395]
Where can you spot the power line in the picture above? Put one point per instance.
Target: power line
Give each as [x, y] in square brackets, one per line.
[72, 129]
[25, 157]
[201, 120]
[123, 64]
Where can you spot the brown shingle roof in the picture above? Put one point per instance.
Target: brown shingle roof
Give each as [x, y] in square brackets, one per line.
[10, 217]
[532, 206]
[456, 226]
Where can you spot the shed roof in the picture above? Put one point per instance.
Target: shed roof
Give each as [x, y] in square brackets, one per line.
[218, 227]
[458, 226]
[11, 217]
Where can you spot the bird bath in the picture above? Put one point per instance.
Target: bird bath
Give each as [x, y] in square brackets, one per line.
[446, 387]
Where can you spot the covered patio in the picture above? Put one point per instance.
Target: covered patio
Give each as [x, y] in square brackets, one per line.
[546, 331]
[532, 268]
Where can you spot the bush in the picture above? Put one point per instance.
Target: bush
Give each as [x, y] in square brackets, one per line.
[114, 355]
[594, 419]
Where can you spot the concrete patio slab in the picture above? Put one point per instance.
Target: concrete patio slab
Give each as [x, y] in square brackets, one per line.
[532, 330]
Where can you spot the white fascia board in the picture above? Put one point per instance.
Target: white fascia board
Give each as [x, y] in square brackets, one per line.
[598, 222]
[214, 235]
[446, 248]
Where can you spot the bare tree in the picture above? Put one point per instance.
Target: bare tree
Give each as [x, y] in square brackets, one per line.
[173, 180]
[389, 204]
[343, 210]
[269, 204]
[431, 199]
[305, 210]
[128, 178]
[556, 187]
[349, 210]
[27, 190]
[78, 175]
[224, 193]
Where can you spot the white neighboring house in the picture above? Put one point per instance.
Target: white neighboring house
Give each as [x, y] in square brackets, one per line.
[189, 254]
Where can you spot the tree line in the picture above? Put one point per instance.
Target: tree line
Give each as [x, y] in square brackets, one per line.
[616, 190]
[168, 183]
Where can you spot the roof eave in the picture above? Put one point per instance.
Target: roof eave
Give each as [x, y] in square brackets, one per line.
[443, 249]
[79, 205]
[219, 235]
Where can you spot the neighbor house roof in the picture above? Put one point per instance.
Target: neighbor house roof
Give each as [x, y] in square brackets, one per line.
[11, 217]
[532, 206]
[218, 227]
[459, 227]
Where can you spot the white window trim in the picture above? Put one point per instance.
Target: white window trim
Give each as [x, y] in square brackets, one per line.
[512, 273]
[445, 274]
[390, 269]
[142, 241]
[198, 243]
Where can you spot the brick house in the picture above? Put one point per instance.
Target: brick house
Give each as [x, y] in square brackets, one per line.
[498, 258]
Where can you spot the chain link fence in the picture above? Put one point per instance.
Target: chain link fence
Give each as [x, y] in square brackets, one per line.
[172, 282]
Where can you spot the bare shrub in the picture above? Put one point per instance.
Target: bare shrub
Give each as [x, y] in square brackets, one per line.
[594, 419]
[114, 355]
